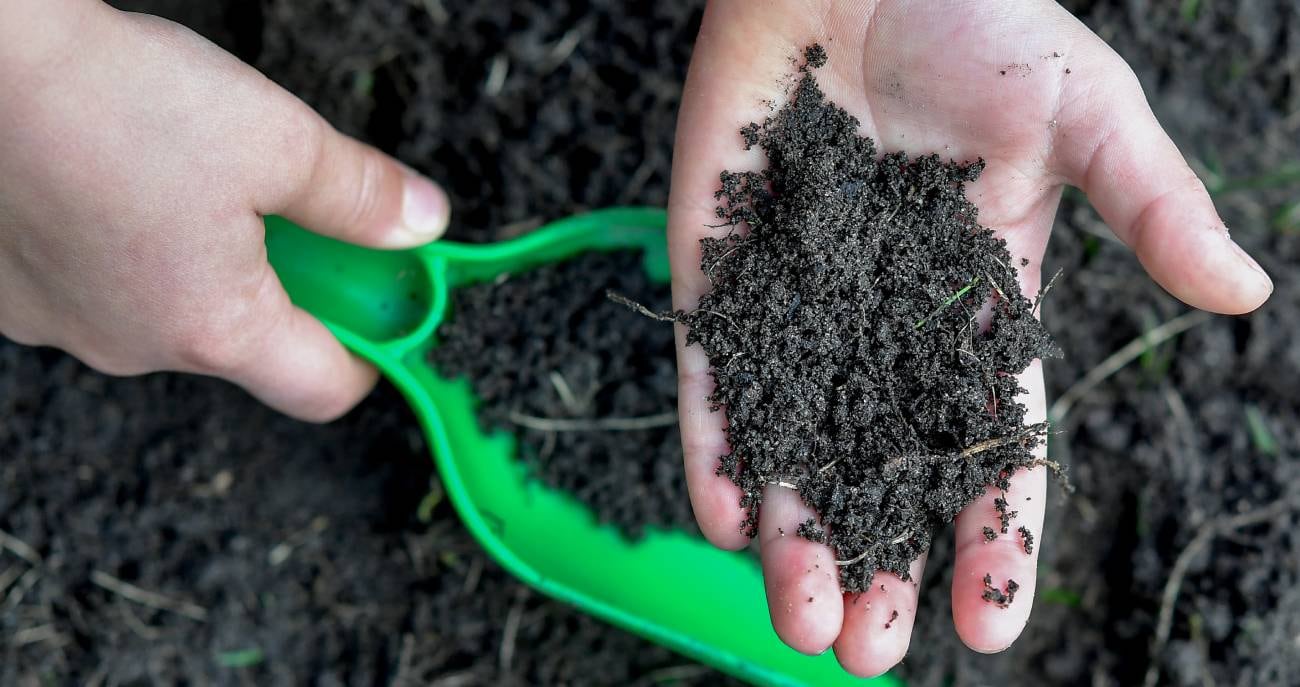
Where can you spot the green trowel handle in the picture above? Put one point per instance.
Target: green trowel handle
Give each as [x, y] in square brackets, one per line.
[384, 305]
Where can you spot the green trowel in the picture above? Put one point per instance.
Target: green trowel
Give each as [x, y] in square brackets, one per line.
[670, 587]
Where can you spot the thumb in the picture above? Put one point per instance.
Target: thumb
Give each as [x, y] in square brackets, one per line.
[1113, 148]
[353, 192]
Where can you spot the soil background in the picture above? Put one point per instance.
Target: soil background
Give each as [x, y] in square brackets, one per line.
[319, 556]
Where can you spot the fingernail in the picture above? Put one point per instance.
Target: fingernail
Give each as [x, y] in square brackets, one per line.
[425, 209]
[1247, 260]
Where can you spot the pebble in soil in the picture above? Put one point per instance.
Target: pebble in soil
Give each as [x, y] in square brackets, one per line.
[588, 386]
[843, 334]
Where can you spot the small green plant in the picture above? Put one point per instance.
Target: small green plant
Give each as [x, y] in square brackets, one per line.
[240, 658]
[1287, 218]
[947, 302]
[1062, 597]
[1260, 435]
[1156, 357]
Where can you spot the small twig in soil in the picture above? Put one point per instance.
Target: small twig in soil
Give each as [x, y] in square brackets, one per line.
[947, 302]
[724, 317]
[35, 635]
[672, 675]
[460, 679]
[19, 548]
[783, 484]
[403, 676]
[1030, 431]
[8, 578]
[1001, 293]
[1125, 355]
[722, 257]
[510, 634]
[497, 73]
[141, 629]
[473, 576]
[147, 598]
[565, 391]
[853, 560]
[25, 583]
[600, 424]
[662, 317]
[637, 307]
[1058, 472]
[1042, 293]
[1207, 533]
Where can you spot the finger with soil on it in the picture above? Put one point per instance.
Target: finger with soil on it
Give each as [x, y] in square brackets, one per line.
[878, 623]
[796, 570]
[982, 625]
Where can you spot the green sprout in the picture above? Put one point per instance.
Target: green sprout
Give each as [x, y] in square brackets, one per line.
[241, 658]
[1260, 435]
[1062, 596]
[947, 302]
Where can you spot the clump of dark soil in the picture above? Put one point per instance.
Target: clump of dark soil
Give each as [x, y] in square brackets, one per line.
[843, 333]
[589, 386]
[1002, 597]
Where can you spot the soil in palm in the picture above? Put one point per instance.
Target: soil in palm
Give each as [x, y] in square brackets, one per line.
[865, 332]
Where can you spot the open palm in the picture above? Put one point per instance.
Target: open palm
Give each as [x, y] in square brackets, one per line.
[1046, 103]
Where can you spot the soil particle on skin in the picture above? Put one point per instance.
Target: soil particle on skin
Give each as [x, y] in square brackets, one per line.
[1027, 539]
[589, 386]
[1004, 513]
[892, 617]
[842, 323]
[990, 534]
[1001, 597]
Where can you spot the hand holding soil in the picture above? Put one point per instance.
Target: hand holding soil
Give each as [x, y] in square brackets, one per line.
[1044, 103]
[138, 160]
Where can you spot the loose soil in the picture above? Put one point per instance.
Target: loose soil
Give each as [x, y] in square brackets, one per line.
[588, 386]
[122, 476]
[843, 331]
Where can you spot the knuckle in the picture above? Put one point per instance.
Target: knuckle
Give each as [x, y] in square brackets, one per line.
[299, 142]
[366, 200]
[211, 343]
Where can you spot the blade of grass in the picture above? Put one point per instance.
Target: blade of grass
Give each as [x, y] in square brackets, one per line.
[1287, 219]
[242, 658]
[1286, 175]
[1260, 435]
[947, 302]
[1061, 596]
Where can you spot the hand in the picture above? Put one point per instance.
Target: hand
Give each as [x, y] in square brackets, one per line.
[138, 160]
[1046, 103]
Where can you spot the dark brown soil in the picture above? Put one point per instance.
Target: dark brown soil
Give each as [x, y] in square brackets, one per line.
[842, 331]
[589, 386]
[114, 475]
